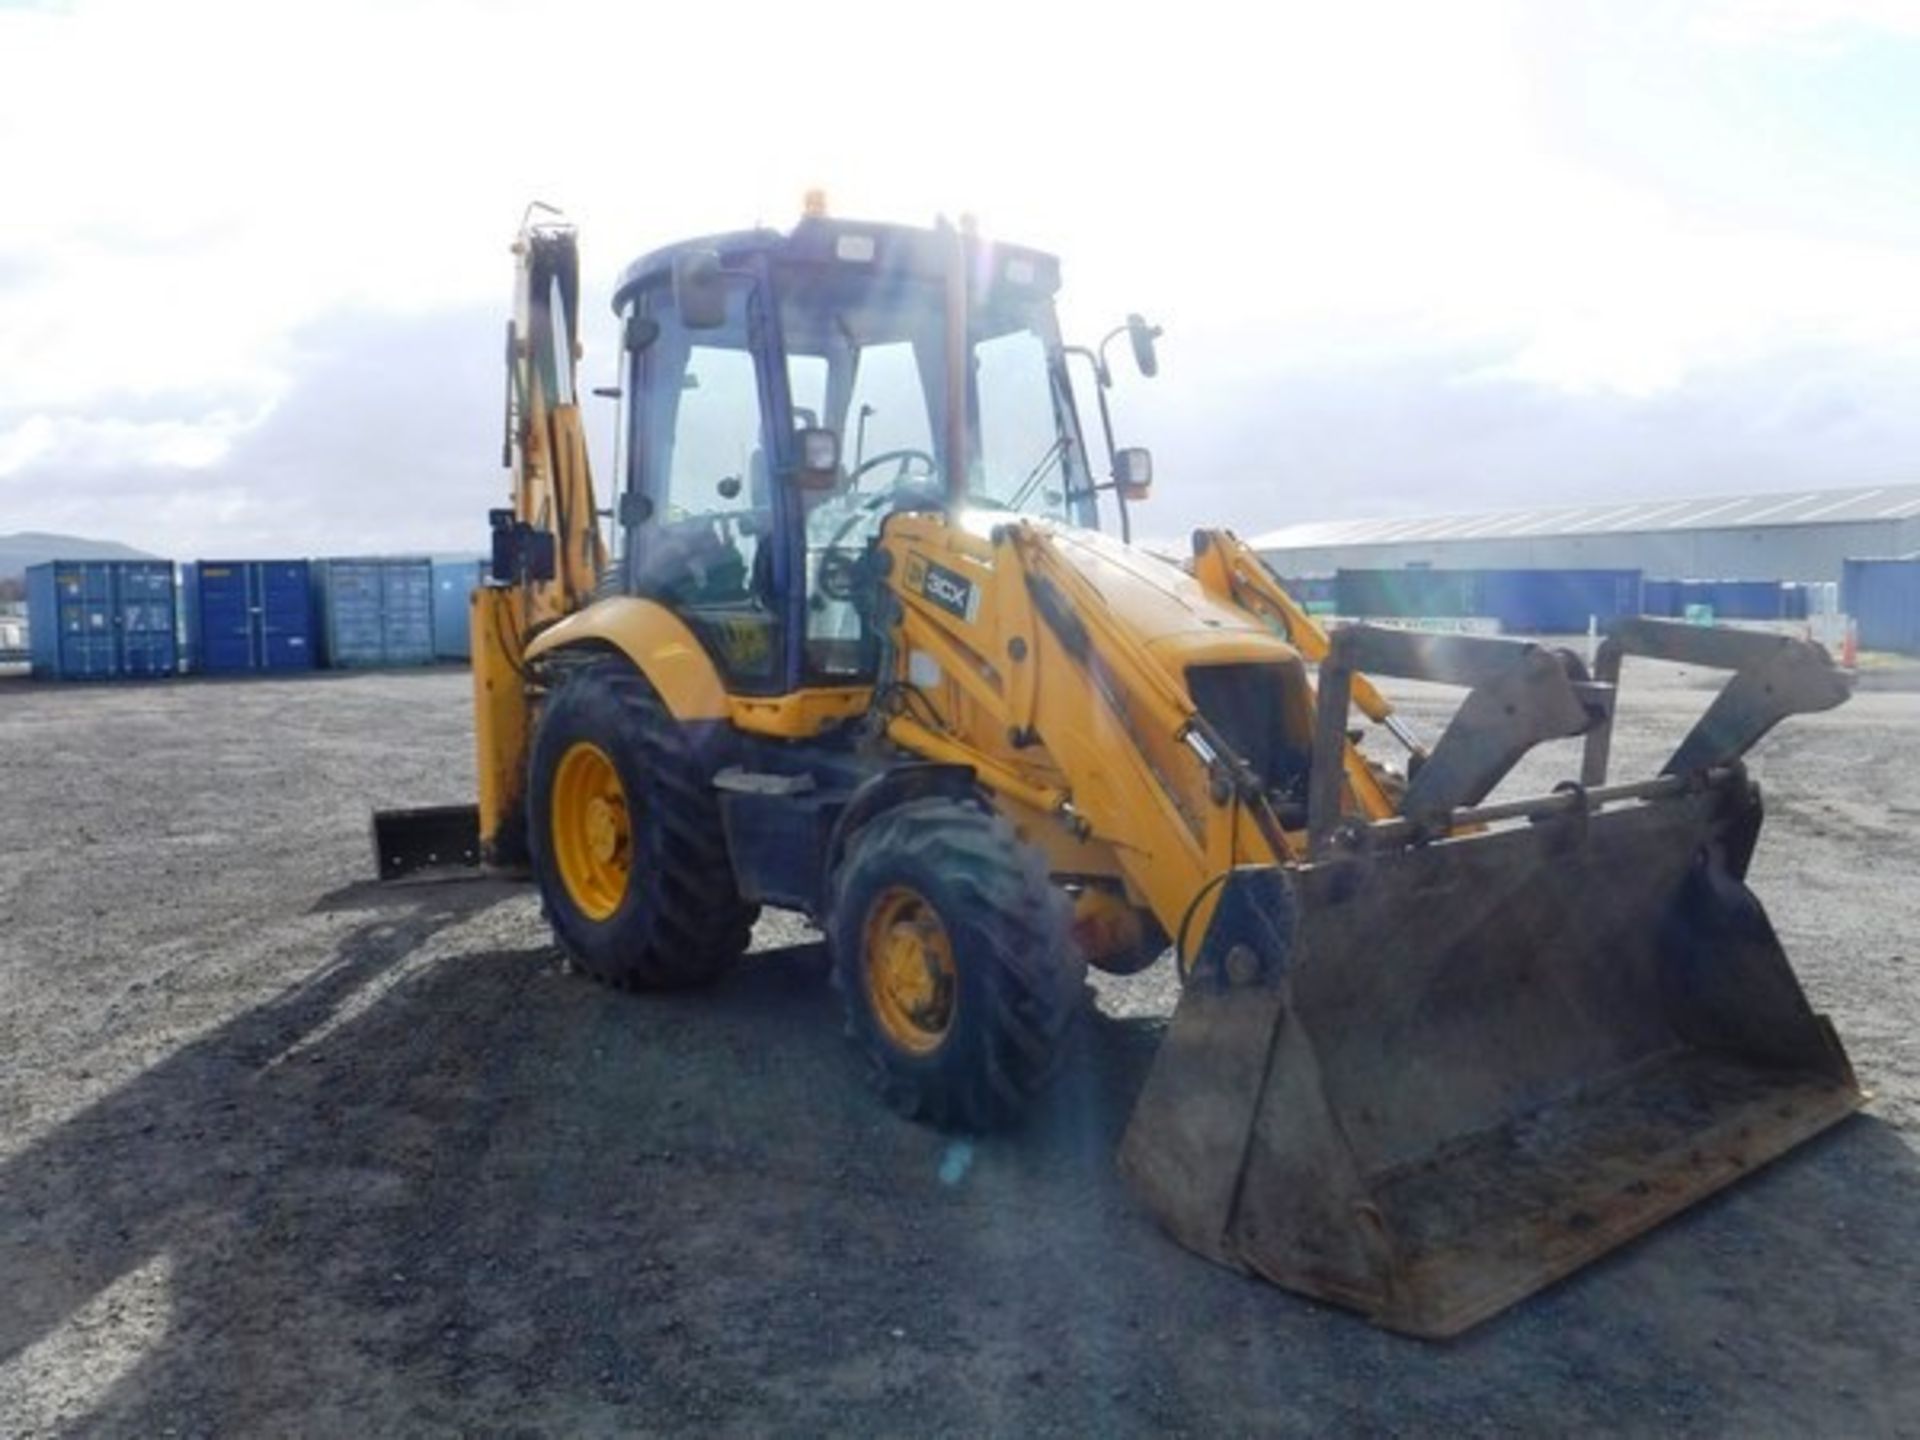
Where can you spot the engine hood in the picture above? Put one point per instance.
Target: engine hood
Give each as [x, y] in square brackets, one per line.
[1177, 620]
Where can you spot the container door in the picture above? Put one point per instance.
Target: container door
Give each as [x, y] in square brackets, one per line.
[285, 601]
[408, 603]
[453, 585]
[354, 600]
[225, 634]
[87, 639]
[94, 648]
[144, 612]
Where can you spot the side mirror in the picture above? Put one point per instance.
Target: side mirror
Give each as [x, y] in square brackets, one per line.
[700, 289]
[1133, 472]
[1143, 335]
[819, 458]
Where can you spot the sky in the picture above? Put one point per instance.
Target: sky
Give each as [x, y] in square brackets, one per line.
[1408, 258]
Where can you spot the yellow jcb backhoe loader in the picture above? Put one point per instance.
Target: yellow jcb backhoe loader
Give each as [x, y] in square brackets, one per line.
[862, 651]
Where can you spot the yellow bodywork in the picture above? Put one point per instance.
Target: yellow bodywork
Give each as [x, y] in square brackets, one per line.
[1226, 567]
[1118, 793]
[1119, 773]
[500, 717]
[664, 648]
[658, 642]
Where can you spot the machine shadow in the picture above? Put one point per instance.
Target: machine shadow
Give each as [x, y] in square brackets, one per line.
[485, 1192]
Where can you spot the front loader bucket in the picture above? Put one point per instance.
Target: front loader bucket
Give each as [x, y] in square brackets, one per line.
[1427, 1081]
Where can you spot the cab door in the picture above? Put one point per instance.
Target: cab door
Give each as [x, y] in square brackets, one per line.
[702, 469]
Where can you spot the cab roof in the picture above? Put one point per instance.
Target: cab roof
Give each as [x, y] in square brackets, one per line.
[894, 249]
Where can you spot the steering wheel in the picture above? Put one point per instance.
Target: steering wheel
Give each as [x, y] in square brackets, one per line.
[903, 459]
[837, 573]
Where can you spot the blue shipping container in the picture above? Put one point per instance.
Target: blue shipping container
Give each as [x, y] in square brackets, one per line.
[247, 615]
[1660, 598]
[1415, 592]
[1558, 602]
[453, 584]
[373, 611]
[101, 619]
[1883, 596]
[1550, 602]
[1309, 589]
[1746, 600]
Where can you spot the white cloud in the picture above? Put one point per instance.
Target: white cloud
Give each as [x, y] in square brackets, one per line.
[109, 443]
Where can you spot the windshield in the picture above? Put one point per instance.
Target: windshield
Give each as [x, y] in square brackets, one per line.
[1026, 458]
[866, 358]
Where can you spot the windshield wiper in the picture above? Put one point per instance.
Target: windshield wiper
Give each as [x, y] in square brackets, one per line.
[1055, 452]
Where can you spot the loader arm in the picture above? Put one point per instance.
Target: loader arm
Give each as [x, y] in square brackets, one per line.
[1227, 566]
[1061, 706]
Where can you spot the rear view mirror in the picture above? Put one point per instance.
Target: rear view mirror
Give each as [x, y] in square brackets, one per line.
[1133, 472]
[819, 467]
[700, 289]
[1143, 335]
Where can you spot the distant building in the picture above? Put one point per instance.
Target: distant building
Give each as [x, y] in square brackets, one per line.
[1801, 536]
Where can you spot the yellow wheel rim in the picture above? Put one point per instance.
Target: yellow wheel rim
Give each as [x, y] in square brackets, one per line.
[592, 830]
[911, 981]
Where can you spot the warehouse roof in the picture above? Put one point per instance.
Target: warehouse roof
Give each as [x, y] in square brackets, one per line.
[1714, 512]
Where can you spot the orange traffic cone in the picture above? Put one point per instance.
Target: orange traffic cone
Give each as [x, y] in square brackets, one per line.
[1850, 646]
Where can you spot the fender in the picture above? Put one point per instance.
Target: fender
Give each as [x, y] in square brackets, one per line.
[657, 641]
[912, 780]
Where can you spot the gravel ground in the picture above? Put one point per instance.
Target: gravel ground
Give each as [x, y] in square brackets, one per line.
[283, 1152]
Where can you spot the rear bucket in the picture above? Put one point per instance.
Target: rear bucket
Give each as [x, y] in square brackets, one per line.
[1427, 1082]
[436, 842]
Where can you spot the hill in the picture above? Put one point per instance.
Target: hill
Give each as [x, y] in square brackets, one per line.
[31, 547]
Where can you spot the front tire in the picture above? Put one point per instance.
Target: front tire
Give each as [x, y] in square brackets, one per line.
[625, 838]
[954, 958]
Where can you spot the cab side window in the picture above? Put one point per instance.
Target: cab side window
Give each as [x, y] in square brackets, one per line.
[704, 547]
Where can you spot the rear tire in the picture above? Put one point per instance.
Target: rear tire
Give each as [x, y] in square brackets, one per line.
[625, 838]
[954, 958]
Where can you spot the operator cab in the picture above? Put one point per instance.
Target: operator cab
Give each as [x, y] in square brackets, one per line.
[784, 393]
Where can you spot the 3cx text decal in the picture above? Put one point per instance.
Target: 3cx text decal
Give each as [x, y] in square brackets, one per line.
[953, 593]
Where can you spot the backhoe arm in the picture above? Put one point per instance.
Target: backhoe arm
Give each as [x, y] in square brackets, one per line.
[547, 558]
[548, 551]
